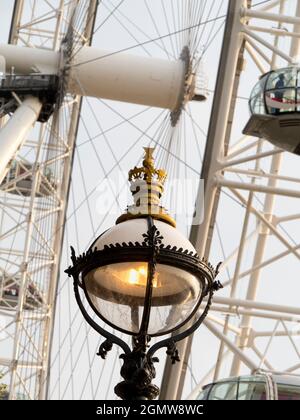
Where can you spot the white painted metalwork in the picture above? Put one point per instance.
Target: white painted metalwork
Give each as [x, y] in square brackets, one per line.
[94, 72]
[14, 133]
[32, 226]
[228, 174]
[246, 323]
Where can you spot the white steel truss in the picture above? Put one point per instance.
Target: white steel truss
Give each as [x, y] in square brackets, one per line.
[257, 176]
[246, 321]
[33, 204]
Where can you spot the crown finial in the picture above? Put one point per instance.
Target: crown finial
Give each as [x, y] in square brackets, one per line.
[147, 187]
[148, 159]
[148, 172]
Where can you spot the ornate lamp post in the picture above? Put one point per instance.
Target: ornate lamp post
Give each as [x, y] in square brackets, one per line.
[143, 278]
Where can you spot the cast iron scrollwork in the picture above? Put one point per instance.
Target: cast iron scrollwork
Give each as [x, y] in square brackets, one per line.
[138, 372]
[172, 352]
[152, 238]
[105, 348]
[138, 369]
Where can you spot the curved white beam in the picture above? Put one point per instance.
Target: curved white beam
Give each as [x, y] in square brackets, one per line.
[106, 74]
[24, 60]
[127, 78]
[13, 134]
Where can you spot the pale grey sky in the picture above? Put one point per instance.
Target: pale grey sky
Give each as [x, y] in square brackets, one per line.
[94, 158]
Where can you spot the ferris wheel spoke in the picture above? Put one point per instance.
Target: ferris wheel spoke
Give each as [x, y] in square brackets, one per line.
[114, 127]
[30, 34]
[135, 38]
[111, 12]
[149, 137]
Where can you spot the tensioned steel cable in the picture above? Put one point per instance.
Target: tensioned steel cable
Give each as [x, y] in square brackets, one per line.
[143, 43]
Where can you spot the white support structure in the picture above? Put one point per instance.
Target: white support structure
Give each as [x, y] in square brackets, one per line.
[242, 174]
[269, 204]
[261, 260]
[104, 74]
[237, 303]
[295, 46]
[127, 78]
[34, 198]
[25, 60]
[273, 17]
[14, 133]
[221, 115]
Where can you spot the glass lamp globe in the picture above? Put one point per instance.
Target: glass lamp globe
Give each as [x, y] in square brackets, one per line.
[117, 291]
[143, 278]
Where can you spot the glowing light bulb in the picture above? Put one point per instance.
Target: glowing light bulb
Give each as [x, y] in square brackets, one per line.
[139, 277]
[133, 277]
[143, 271]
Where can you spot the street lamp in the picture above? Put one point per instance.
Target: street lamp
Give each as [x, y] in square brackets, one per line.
[143, 278]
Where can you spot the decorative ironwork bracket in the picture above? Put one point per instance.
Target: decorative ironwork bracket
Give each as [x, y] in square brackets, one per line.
[138, 369]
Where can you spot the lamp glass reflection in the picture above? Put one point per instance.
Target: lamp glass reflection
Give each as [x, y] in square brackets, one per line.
[117, 292]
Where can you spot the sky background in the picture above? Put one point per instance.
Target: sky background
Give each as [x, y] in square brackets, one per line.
[97, 153]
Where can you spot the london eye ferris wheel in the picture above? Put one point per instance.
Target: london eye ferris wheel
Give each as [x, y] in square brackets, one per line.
[84, 86]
